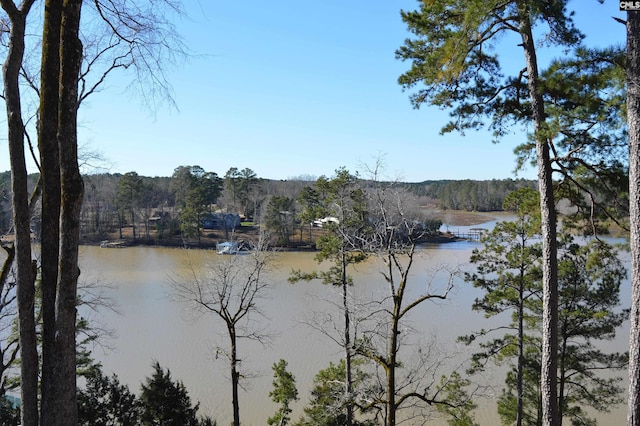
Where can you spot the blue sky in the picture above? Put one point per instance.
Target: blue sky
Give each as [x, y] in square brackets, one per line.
[290, 88]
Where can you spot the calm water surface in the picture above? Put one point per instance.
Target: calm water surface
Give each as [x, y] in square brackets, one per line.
[150, 326]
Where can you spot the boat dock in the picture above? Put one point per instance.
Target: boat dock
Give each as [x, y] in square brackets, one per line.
[473, 234]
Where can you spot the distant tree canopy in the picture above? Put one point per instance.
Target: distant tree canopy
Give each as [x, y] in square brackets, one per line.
[281, 217]
[191, 192]
[471, 195]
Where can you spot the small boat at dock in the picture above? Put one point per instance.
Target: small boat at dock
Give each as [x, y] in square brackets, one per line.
[228, 247]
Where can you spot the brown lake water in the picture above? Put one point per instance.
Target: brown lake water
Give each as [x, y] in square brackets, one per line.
[150, 325]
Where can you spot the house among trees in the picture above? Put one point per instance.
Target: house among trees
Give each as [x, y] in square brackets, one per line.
[220, 220]
[325, 220]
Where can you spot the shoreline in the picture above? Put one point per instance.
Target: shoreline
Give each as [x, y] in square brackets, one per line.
[210, 237]
[443, 238]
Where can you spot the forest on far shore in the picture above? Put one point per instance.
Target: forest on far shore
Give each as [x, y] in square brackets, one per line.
[178, 205]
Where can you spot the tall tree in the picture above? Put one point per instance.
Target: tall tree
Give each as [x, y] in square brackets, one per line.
[393, 239]
[589, 279]
[71, 195]
[232, 185]
[181, 184]
[633, 121]
[128, 196]
[51, 193]
[60, 72]
[507, 270]
[25, 271]
[195, 191]
[342, 198]
[312, 210]
[231, 292]
[280, 218]
[453, 56]
[590, 275]
[248, 180]
[239, 184]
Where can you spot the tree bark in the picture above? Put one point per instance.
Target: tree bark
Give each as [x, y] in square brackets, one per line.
[520, 371]
[50, 181]
[7, 265]
[72, 189]
[21, 217]
[235, 375]
[348, 355]
[548, 374]
[633, 120]
[393, 354]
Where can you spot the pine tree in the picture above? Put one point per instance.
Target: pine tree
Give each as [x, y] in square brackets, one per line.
[454, 56]
[509, 273]
[342, 198]
[166, 402]
[633, 114]
[284, 393]
[105, 401]
[589, 281]
[326, 405]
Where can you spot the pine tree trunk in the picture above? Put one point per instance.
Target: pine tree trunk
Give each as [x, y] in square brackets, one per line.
[633, 118]
[520, 378]
[548, 374]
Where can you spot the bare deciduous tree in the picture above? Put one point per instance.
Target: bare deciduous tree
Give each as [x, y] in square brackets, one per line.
[230, 289]
[342, 199]
[25, 274]
[61, 74]
[394, 241]
[8, 340]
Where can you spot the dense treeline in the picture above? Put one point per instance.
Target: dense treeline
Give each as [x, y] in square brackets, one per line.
[114, 201]
[106, 401]
[470, 195]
